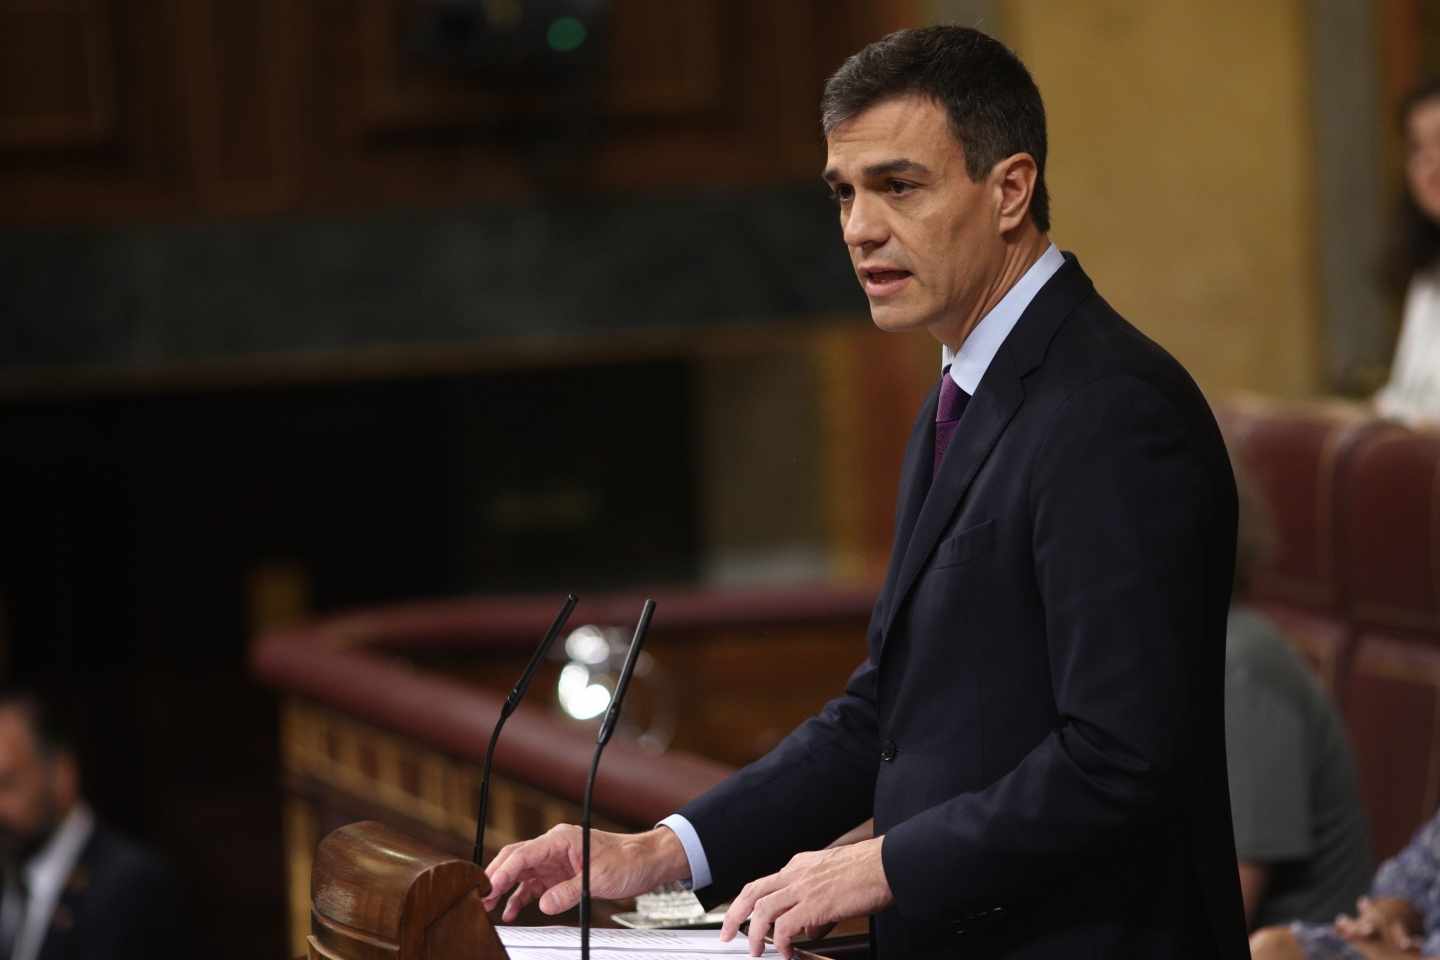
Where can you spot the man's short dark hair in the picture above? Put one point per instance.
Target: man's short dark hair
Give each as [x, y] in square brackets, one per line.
[994, 106]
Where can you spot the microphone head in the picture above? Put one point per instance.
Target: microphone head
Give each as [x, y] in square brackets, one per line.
[523, 684]
[607, 726]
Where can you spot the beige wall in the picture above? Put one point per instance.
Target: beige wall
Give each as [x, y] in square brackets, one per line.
[1182, 174]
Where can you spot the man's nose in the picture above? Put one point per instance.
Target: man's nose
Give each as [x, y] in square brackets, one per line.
[865, 225]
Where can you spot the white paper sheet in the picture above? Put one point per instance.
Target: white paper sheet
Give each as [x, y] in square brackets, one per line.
[563, 943]
[571, 953]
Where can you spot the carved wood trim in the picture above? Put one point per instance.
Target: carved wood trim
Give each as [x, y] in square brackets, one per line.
[75, 27]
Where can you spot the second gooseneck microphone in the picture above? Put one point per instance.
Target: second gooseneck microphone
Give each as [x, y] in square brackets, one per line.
[607, 727]
[511, 702]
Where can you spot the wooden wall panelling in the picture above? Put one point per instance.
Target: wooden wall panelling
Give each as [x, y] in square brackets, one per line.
[162, 108]
[772, 80]
[89, 128]
[391, 91]
[244, 103]
[666, 60]
[774, 59]
[800, 77]
[57, 75]
[815, 38]
[707, 92]
[737, 136]
[379, 131]
[411, 129]
[671, 59]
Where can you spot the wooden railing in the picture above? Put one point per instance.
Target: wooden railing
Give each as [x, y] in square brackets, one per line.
[385, 714]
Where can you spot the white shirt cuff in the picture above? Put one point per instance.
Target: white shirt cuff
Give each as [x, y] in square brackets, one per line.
[694, 852]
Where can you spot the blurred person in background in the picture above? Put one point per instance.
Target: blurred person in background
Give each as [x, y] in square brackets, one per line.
[1413, 392]
[1301, 835]
[72, 888]
[1400, 917]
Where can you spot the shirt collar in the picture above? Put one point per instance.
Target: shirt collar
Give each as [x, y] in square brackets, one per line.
[969, 363]
[49, 868]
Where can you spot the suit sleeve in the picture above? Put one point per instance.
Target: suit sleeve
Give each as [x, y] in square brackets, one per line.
[816, 784]
[1129, 511]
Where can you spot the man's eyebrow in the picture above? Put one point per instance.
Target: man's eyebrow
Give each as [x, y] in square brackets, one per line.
[883, 169]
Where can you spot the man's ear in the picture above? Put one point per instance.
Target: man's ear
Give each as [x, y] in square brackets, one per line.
[1014, 179]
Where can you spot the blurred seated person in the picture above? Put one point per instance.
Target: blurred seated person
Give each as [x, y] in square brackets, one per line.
[72, 888]
[1301, 835]
[1400, 917]
[1413, 392]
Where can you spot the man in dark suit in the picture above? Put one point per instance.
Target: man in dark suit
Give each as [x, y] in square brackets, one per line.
[72, 888]
[1038, 729]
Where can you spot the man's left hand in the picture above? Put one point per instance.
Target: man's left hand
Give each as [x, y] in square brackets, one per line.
[813, 889]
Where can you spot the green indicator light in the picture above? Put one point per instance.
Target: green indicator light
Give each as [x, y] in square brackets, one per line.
[565, 34]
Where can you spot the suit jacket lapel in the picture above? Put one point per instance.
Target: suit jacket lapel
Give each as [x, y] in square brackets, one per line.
[914, 482]
[60, 930]
[985, 418]
[998, 397]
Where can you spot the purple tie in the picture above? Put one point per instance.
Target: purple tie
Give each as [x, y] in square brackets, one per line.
[947, 416]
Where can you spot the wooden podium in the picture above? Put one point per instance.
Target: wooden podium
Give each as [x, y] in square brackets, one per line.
[377, 894]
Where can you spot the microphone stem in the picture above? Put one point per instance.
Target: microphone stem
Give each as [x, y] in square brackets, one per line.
[479, 854]
[507, 708]
[585, 856]
[607, 727]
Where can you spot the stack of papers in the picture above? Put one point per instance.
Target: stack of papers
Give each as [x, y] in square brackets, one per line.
[563, 943]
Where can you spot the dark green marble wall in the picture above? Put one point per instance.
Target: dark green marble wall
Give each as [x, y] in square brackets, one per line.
[163, 294]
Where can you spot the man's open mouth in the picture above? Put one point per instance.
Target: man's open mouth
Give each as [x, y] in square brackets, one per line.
[880, 284]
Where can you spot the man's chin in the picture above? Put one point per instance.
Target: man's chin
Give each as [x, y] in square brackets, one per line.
[893, 319]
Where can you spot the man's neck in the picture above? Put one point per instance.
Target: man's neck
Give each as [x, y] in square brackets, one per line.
[1018, 257]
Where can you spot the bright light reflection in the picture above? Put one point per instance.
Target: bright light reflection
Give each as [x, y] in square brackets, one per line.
[587, 645]
[579, 697]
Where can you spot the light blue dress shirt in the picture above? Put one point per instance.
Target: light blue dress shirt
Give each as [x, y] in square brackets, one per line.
[969, 363]
[967, 368]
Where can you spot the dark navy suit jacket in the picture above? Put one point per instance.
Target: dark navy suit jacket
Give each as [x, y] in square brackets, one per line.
[119, 903]
[1038, 730]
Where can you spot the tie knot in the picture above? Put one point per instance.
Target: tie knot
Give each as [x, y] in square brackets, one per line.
[952, 399]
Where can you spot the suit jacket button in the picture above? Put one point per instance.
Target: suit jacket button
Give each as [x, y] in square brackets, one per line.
[887, 750]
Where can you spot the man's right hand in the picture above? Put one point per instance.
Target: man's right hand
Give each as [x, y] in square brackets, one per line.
[548, 868]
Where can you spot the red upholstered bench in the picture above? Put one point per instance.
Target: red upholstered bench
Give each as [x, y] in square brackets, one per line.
[1355, 582]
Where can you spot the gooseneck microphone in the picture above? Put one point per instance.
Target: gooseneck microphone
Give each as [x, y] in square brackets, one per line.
[607, 727]
[511, 702]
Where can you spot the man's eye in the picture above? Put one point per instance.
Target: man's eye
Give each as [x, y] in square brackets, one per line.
[898, 187]
[841, 194]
